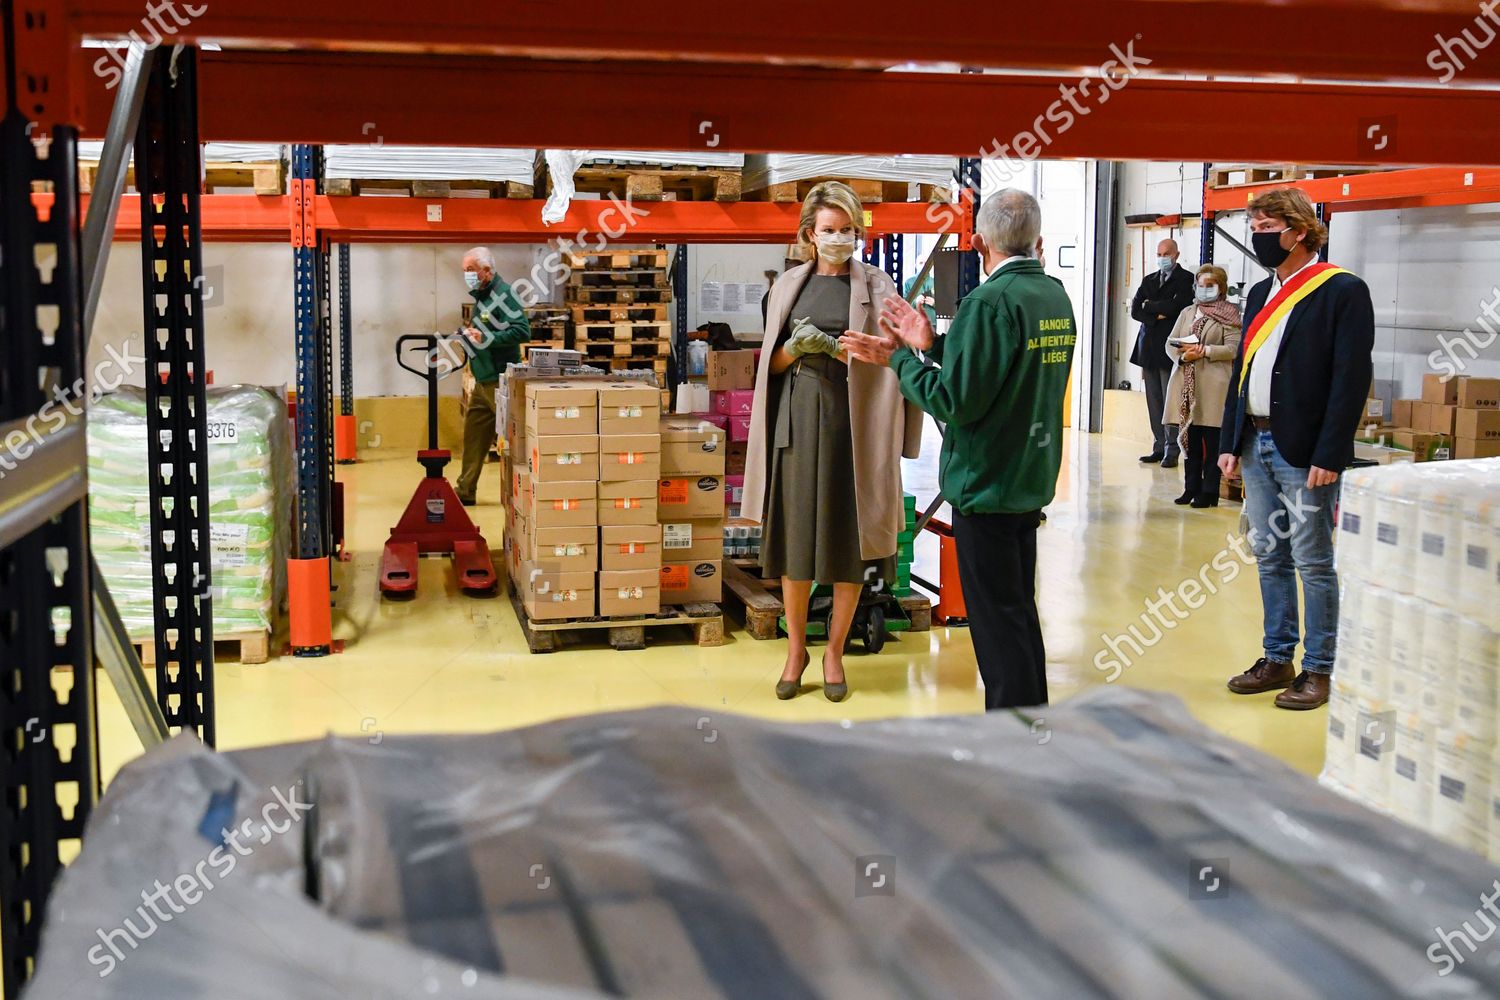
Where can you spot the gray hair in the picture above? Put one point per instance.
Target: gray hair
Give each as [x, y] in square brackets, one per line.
[1010, 222]
[482, 256]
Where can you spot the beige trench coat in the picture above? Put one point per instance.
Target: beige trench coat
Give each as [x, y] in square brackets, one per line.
[1211, 372]
[885, 426]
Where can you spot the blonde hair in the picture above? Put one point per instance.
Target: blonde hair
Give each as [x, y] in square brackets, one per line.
[828, 194]
[1292, 206]
[1220, 276]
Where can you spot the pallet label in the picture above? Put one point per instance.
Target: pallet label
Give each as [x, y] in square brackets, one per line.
[230, 543]
[677, 536]
[223, 432]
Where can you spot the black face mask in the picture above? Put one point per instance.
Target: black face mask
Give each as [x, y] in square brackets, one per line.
[1268, 248]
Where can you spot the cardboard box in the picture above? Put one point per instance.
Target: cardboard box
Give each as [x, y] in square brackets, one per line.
[731, 370]
[574, 549]
[734, 489]
[632, 593]
[629, 409]
[719, 420]
[1440, 419]
[733, 402]
[739, 429]
[1375, 410]
[1401, 412]
[1469, 448]
[1477, 425]
[564, 458]
[628, 502]
[1435, 389]
[734, 461]
[693, 582]
[1478, 393]
[550, 595]
[1425, 446]
[563, 505]
[520, 487]
[684, 498]
[630, 546]
[692, 541]
[690, 447]
[562, 407]
[1380, 455]
[629, 457]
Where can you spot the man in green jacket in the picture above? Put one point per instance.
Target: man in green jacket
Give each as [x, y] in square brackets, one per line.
[997, 380]
[496, 331]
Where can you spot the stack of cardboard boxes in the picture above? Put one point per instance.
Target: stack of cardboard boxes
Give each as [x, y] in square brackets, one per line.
[690, 507]
[583, 539]
[1457, 417]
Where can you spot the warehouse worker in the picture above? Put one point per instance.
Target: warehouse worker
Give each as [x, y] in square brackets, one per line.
[1297, 391]
[498, 327]
[997, 379]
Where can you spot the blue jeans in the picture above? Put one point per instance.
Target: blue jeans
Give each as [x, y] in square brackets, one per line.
[1291, 534]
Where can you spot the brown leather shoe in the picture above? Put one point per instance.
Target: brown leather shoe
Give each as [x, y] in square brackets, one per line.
[1307, 691]
[1265, 675]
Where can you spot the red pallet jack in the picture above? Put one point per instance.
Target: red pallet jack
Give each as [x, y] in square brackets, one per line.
[434, 520]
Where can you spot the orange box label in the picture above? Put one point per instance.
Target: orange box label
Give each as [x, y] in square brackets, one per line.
[674, 577]
[674, 491]
[633, 549]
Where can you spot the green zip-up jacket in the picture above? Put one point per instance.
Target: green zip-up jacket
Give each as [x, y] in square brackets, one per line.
[499, 316]
[998, 385]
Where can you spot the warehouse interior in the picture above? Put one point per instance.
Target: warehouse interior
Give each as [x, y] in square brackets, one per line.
[243, 253]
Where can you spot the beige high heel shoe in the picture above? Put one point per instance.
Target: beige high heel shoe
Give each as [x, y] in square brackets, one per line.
[786, 690]
[835, 692]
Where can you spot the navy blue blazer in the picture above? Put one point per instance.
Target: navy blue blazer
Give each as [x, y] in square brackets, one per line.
[1321, 380]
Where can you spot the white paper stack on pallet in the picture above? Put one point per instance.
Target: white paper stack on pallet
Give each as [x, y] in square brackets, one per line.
[764, 169]
[435, 163]
[250, 494]
[1412, 716]
[214, 152]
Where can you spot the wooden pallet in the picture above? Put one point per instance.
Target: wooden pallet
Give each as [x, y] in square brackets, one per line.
[625, 330]
[706, 621]
[266, 177]
[592, 295]
[1228, 175]
[618, 260]
[658, 365]
[644, 183]
[246, 647]
[416, 188]
[637, 350]
[761, 600]
[607, 313]
[868, 190]
[637, 278]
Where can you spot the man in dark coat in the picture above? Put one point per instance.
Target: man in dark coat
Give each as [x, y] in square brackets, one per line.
[1163, 294]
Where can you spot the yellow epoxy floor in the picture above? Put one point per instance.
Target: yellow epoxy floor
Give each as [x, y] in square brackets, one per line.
[447, 663]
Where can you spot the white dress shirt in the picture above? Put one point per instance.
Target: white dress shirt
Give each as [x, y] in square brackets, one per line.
[1263, 364]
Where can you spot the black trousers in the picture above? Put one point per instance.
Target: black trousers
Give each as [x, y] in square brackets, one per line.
[1200, 465]
[997, 565]
[1163, 436]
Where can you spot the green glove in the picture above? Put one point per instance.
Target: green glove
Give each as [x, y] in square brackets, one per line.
[808, 339]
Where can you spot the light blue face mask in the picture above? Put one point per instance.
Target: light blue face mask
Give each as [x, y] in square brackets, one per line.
[1208, 293]
[1164, 263]
[471, 279]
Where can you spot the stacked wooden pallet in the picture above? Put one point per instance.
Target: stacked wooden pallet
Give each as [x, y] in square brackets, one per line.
[868, 190]
[645, 182]
[549, 329]
[267, 177]
[1222, 175]
[421, 188]
[618, 302]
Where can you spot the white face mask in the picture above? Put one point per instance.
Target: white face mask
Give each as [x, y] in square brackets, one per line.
[1164, 263]
[835, 248]
[471, 279]
[1208, 293]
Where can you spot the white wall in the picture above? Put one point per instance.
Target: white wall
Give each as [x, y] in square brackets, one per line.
[733, 263]
[1429, 270]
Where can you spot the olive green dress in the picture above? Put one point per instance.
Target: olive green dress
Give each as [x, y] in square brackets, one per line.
[811, 525]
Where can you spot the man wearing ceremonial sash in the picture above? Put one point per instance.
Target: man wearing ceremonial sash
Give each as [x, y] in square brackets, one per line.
[1298, 390]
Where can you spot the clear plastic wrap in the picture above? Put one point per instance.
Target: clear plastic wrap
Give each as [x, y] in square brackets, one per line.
[563, 164]
[1112, 847]
[764, 169]
[434, 163]
[250, 488]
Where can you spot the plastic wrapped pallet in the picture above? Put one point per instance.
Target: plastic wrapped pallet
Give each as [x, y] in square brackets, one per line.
[1419, 646]
[562, 164]
[214, 152]
[437, 163]
[1129, 854]
[764, 169]
[250, 488]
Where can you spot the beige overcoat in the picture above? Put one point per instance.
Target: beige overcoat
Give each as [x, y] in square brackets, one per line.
[1211, 373]
[884, 425]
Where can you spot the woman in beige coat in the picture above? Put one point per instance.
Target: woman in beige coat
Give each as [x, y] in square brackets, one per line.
[1203, 345]
[827, 434]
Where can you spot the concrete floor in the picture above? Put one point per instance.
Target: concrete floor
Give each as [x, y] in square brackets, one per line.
[448, 663]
